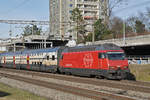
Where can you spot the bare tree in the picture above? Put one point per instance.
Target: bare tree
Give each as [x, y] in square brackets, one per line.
[148, 16]
[108, 6]
[116, 26]
[115, 3]
[131, 22]
[144, 19]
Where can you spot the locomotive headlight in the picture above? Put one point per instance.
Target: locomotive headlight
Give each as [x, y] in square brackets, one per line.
[126, 67]
[118, 66]
[111, 67]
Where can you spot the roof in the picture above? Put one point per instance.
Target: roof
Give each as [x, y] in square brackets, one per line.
[92, 48]
[31, 51]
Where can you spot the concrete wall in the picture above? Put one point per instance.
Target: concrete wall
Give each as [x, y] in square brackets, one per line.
[2, 48]
[130, 41]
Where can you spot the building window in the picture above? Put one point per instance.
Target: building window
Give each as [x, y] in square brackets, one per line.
[70, 11]
[71, 5]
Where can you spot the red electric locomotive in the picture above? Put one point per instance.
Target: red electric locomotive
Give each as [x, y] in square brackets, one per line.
[105, 60]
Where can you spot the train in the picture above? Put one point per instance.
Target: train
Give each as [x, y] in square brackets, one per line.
[102, 61]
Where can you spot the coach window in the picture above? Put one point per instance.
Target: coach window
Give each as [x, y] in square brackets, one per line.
[101, 55]
[40, 63]
[47, 57]
[53, 57]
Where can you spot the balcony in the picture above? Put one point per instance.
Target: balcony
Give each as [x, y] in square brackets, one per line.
[90, 2]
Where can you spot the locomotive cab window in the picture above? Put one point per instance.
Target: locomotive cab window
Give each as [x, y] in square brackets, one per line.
[116, 55]
[101, 55]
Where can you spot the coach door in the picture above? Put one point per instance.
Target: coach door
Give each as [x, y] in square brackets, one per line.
[102, 61]
[28, 64]
[4, 59]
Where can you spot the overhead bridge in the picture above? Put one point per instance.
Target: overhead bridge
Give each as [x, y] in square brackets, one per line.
[34, 22]
[136, 48]
[129, 41]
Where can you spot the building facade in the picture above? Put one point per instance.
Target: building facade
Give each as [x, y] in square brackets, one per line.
[61, 10]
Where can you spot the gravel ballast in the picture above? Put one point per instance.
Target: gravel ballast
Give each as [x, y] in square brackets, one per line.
[51, 94]
[134, 94]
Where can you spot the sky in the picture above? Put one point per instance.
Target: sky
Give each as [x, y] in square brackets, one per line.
[131, 8]
[21, 10]
[39, 10]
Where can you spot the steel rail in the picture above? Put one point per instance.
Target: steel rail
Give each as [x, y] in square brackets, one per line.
[68, 89]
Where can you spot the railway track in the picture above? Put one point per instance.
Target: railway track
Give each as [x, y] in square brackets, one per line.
[124, 85]
[69, 89]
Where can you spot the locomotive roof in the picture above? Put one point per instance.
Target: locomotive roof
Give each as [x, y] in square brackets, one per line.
[106, 46]
[30, 51]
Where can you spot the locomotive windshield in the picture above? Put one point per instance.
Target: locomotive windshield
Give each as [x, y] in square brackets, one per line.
[115, 55]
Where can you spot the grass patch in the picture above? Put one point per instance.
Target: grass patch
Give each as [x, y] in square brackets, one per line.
[141, 72]
[9, 93]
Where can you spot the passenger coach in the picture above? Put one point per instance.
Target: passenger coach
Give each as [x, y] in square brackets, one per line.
[40, 60]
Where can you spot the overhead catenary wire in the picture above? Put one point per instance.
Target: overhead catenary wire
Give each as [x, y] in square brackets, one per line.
[16, 7]
[131, 7]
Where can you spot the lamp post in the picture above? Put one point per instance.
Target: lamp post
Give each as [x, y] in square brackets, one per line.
[124, 33]
[32, 31]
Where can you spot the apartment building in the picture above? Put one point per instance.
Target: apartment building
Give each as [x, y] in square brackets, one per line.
[61, 10]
